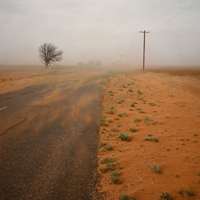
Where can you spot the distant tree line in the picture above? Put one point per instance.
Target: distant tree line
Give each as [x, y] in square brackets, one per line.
[49, 55]
[92, 62]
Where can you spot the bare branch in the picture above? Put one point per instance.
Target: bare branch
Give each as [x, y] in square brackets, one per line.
[48, 54]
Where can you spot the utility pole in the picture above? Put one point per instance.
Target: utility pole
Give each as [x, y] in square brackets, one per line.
[144, 47]
[121, 59]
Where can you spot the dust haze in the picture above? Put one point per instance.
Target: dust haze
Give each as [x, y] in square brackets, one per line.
[101, 31]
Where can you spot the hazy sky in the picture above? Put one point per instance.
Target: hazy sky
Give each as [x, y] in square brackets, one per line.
[101, 30]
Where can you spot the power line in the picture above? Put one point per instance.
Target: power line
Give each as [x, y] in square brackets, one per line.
[176, 15]
[166, 12]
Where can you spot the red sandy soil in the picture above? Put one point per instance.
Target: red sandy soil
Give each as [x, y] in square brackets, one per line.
[177, 128]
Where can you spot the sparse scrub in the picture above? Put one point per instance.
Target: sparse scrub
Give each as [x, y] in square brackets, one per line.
[120, 89]
[118, 125]
[156, 168]
[108, 167]
[125, 114]
[141, 111]
[198, 173]
[110, 120]
[137, 119]
[126, 197]
[188, 192]
[102, 122]
[165, 196]
[110, 91]
[161, 122]
[130, 90]
[133, 129]
[152, 103]
[123, 86]
[120, 115]
[138, 108]
[108, 148]
[103, 143]
[116, 118]
[110, 112]
[195, 134]
[115, 177]
[124, 137]
[151, 139]
[132, 105]
[131, 109]
[139, 92]
[114, 129]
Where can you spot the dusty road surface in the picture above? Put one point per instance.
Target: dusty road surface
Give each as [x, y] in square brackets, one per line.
[49, 134]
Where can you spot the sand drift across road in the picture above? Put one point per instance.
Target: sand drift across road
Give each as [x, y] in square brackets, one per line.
[49, 136]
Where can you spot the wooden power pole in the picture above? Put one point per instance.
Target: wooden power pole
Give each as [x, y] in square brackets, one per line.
[144, 47]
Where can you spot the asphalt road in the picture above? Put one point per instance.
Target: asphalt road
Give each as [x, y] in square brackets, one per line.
[49, 138]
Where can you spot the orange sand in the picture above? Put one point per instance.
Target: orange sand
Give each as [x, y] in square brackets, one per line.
[178, 149]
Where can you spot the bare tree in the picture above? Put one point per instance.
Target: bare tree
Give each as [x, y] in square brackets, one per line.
[49, 55]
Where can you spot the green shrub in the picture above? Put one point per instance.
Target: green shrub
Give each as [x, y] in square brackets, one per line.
[150, 139]
[130, 90]
[118, 125]
[102, 122]
[152, 103]
[156, 168]
[126, 197]
[189, 193]
[132, 105]
[115, 177]
[133, 129]
[120, 115]
[107, 160]
[198, 173]
[139, 92]
[110, 91]
[123, 86]
[165, 196]
[108, 167]
[141, 111]
[131, 109]
[124, 137]
[137, 119]
[125, 114]
[110, 112]
[114, 129]
[110, 120]
[108, 148]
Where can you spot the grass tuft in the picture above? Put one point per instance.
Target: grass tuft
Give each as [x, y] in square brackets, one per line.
[165, 196]
[133, 129]
[156, 168]
[124, 137]
[126, 197]
[115, 177]
[108, 148]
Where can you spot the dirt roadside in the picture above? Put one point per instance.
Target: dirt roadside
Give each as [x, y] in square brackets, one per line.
[164, 108]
